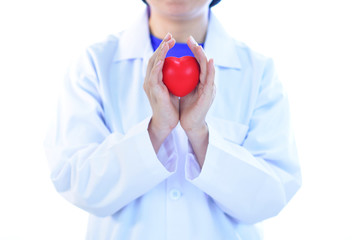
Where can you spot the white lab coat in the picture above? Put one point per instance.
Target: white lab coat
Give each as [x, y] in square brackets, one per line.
[102, 160]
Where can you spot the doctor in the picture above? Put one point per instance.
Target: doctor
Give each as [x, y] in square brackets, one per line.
[148, 165]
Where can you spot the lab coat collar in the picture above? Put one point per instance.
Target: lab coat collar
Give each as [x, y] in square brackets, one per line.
[220, 46]
[135, 43]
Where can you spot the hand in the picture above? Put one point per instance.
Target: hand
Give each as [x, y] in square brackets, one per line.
[195, 106]
[165, 106]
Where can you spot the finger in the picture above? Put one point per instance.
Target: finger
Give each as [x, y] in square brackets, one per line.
[209, 85]
[161, 47]
[210, 72]
[171, 43]
[199, 54]
[164, 49]
[152, 62]
[167, 37]
[156, 72]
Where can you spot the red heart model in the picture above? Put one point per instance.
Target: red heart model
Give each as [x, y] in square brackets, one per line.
[181, 75]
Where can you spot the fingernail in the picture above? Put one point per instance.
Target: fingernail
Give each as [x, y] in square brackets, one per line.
[168, 35]
[193, 41]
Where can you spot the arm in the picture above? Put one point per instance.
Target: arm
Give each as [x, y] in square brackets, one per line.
[98, 170]
[194, 106]
[165, 106]
[254, 180]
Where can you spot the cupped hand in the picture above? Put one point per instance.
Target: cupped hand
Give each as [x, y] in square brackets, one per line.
[165, 106]
[194, 106]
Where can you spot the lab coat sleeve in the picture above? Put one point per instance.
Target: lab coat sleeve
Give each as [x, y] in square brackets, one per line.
[255, 179]
[98, 170]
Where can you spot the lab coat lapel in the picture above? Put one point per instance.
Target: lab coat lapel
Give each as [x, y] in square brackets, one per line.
[134, 42]
[220, 46]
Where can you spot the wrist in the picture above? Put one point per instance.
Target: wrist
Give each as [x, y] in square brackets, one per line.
[161, 130]
[197, 131]
[157, 134]
[199, 139]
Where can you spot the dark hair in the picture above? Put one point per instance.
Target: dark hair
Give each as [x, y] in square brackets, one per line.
[213, 3]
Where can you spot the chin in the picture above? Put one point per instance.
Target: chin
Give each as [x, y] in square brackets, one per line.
[181, 9]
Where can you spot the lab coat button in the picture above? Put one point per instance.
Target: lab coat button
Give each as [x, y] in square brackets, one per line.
[175, 194]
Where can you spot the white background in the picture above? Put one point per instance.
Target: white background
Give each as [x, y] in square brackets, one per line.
[309, 40]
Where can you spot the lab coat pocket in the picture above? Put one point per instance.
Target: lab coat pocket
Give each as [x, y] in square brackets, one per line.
[227, 129]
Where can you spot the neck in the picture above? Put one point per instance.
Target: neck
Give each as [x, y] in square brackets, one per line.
[180, 28]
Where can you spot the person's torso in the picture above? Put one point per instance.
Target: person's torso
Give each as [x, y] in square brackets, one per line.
[174, 209]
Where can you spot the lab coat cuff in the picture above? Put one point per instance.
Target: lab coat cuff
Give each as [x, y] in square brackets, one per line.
[141, 127]
[193, 170]
[167, 155]
[148, 151]
[209, 173]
